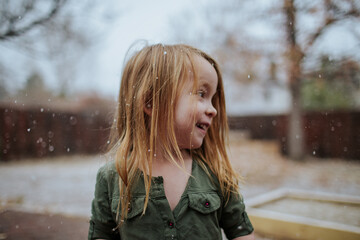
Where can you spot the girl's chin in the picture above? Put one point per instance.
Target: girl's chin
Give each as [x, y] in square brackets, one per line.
[192, 147]
[196, 145]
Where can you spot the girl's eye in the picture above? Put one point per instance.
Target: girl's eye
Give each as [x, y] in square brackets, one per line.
[201, 93]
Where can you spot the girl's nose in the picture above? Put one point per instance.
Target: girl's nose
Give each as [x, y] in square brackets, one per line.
[211, 111]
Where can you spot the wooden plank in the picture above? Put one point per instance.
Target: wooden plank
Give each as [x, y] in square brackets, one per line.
[289, 226]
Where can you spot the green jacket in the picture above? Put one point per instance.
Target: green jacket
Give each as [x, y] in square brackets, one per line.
[200, 213]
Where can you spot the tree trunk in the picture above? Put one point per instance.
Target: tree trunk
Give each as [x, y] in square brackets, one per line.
[295, 134]
[295, 131]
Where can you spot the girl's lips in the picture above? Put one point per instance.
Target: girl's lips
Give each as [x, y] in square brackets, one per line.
[202, 131]
[203, 127]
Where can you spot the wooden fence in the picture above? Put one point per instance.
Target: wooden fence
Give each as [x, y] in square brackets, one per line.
[327, 134]
[42, 132]
[38, 132]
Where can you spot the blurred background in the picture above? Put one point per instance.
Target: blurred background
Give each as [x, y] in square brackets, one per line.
[291, 71]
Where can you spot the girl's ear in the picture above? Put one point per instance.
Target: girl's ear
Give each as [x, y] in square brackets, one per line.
[148, 109]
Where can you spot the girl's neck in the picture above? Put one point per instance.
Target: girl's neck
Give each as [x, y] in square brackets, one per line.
[162, 163]
[160, 157]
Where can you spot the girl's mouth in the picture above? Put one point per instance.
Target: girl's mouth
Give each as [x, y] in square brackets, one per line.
[201, 126]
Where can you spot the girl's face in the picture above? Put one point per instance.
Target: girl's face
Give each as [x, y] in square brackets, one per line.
[196, 106]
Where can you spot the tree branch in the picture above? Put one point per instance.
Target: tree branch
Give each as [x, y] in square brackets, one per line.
[332, 10]
[12, 32]
[319, 32]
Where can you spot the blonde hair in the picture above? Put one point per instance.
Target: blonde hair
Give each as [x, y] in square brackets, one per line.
[154, 75]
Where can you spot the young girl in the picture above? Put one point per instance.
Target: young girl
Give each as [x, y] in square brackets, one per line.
[171, 177]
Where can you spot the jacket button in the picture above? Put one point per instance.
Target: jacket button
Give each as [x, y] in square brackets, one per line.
[170, 224]
[207, 204]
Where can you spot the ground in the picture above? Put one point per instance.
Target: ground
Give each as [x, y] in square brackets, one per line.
[50, 198]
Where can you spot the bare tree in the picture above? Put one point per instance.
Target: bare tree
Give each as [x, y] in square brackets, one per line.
[333, 12]
[17, 20]
[53, 31]
[19, 17]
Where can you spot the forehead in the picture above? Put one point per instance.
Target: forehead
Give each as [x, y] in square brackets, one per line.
[205, 71]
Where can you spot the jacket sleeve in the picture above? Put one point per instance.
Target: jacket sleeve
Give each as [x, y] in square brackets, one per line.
[102, 222]
[234, 219]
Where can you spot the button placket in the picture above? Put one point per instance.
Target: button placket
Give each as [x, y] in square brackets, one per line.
[163, 208]
[170, 224]
[170, 231]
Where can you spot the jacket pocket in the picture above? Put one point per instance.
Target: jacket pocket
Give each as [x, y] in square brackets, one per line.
[204, 203]
[135, 208]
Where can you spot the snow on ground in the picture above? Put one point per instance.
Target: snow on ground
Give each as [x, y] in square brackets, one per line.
[265, 169]
[57, 185]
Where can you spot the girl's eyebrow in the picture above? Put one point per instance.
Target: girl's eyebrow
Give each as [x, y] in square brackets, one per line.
[206, 85]
[203, 83]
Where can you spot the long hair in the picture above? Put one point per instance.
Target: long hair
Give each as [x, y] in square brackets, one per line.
[154, 77]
